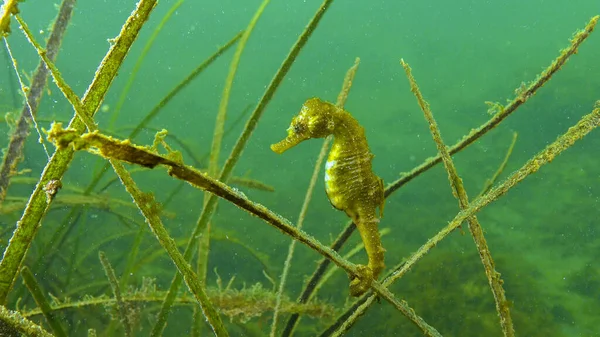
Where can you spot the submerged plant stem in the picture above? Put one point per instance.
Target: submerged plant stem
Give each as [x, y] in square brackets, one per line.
[460, 193]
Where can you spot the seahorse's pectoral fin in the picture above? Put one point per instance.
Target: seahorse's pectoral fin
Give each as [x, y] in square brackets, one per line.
[362, 282]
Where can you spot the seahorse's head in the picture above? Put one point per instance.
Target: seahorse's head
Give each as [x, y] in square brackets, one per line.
[315, 120]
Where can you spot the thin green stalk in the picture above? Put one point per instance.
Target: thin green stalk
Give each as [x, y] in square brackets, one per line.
[585, 125]
[460, 193]
[139, 61]
[341, 101]
[114, 284]
[36, 90]
[490, 182]
[211, 204]
[42, 302]
[41, 197]
[469, 139]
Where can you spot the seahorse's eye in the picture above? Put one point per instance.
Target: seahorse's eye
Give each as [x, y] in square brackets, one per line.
[298, 128]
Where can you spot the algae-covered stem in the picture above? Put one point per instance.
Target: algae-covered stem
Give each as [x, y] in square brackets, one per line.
[29, 223]
[463, 200]
[12, 322]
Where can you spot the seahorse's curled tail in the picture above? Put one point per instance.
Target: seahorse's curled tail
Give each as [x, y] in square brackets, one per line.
[375, 252]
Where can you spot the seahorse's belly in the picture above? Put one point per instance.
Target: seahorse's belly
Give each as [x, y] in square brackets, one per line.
[345, 181]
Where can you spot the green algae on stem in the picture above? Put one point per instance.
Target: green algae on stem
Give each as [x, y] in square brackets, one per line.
[584, 126]
[460, 193]
[469, 139]
[37, 206]
[13, 322]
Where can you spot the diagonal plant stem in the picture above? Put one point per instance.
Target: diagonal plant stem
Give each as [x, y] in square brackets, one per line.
[341, 101]
[460, 193]
[585, 125]
[125, 151]
[41, 197]
[469, 139]
[211, 203]
[67, 224]
[17, 139]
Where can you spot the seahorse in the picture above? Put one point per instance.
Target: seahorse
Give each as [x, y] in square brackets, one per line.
[350, 183]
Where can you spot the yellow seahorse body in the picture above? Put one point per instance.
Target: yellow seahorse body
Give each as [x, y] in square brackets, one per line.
[350, 182]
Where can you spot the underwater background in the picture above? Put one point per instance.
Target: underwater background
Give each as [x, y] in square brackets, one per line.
[543, 234]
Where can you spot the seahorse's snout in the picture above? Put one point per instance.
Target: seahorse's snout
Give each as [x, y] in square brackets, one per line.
[297, 133]
[290, 141]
